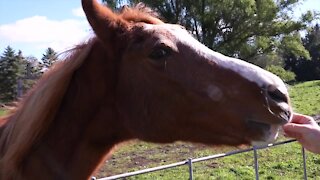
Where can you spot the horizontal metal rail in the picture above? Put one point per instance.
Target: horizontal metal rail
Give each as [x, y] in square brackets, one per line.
[190, 161]
[194, 160]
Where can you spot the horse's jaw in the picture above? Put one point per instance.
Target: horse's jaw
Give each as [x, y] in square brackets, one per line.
[269, 136]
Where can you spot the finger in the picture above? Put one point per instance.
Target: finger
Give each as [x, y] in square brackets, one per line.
[293, 135]
[294, 128]
[301, 119]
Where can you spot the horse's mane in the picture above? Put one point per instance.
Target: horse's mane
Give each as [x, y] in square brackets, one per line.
[36, 111]
[34, 114]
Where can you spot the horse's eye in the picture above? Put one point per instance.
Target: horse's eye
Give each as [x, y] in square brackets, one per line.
[159, 53]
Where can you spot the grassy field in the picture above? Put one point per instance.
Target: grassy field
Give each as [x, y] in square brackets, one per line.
[2, 112]
[306, 97]
[282, 162]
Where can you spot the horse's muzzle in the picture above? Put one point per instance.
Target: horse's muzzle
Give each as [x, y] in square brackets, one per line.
[277, 104]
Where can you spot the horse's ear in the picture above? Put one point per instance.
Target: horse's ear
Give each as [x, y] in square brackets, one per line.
[106, 24]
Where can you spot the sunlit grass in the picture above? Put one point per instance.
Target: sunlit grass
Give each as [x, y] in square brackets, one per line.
[2, 112]
[306, 97]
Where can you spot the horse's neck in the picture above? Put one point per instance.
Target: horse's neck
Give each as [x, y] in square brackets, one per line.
[3, 121]
[85, 128]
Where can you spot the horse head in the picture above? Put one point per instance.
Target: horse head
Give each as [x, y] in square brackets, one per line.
[171, 87]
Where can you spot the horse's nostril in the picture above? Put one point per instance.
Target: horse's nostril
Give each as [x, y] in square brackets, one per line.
[279, 102]
[277, 95]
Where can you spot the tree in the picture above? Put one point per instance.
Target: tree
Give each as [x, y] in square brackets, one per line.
[115, 4]
[28, 72]
[312, 42]
[306, 69]
[32, 70]
[17, 74]
[286, 76]
[243, 28]
[9, 73]
[49, 58]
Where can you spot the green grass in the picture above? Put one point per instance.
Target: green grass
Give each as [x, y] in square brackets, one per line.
[2, 112]
[306, 97]
[282, 162]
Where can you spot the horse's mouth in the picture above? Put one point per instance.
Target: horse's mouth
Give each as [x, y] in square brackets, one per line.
[285, 116]
[268, 132]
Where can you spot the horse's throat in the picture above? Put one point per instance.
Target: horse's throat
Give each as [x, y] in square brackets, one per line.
[73, 148]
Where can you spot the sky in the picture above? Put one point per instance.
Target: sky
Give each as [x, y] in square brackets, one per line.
[34, 25]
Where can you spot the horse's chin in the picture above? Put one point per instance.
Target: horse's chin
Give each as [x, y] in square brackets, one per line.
[269, 136]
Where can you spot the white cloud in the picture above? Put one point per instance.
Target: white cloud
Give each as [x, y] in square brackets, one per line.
[78, 12]
[41, 32]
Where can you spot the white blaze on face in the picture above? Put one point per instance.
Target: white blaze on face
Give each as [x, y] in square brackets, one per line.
[249, 71]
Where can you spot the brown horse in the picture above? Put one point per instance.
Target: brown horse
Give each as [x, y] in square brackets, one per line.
[138, 78]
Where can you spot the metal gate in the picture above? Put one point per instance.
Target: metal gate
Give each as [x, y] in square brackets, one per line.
[190, 162]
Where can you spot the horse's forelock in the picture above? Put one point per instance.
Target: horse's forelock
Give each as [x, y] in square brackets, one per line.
[140, 13]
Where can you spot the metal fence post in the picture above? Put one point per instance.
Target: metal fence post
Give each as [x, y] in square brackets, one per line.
[256, 164]
[190, 169]
[305, 176]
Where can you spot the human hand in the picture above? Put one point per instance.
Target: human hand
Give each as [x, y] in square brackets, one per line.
[306, 130]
